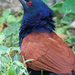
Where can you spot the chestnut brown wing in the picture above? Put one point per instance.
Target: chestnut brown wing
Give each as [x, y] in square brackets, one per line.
[50, 52]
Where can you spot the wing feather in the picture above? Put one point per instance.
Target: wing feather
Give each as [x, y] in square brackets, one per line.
[50, 52]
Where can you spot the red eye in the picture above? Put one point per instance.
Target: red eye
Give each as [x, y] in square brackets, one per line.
[30, 3]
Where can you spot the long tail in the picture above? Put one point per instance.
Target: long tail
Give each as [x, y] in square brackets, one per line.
[62, 74]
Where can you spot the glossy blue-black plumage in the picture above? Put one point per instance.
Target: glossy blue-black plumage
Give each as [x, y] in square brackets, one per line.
[33, 72]
[36, 20]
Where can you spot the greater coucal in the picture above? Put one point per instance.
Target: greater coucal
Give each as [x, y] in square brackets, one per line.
[38, 41]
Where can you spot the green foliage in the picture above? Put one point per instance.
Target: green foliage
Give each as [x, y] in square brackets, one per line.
[41, 72]
[66, 9]
[11, 32]
[6, 13]
[46, 0]
[73, 48]
[11, 71]
[10, 64]
[69, 6]
[2, 37]
[2, 19]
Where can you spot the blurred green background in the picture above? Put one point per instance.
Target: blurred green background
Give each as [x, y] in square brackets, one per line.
[10, 20]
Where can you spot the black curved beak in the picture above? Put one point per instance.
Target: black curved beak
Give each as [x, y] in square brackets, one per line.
[22, 1]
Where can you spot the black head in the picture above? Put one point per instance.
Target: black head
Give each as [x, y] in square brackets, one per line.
[30, 3]
[32, 6]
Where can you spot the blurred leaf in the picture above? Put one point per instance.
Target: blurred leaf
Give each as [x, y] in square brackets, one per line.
[65, 22]
[57, 6]
[11, 18]
[0, 73]
[19, 19]
[68, 41]
[60, 30]
[73, 48]
[41, 72]
[2, 68]
[16, 57]
[17, 70]
[18, 63]
[2, 37]
[66, 19]
[16, 49]
[3, 49]
[73, 39]
[2, 19]
[29, 60]
[14, 27]
[11, 71]
[4, 59]
[45, 0]
[69, 6]
[6, 12]
[68, 33]
[55, 9]
[68, 27]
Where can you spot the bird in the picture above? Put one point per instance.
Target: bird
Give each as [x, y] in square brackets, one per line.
[39, 41]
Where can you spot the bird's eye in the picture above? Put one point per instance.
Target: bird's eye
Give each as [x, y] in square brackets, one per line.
[30, 3]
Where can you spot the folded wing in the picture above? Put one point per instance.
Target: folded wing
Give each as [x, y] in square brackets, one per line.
[50, 52]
